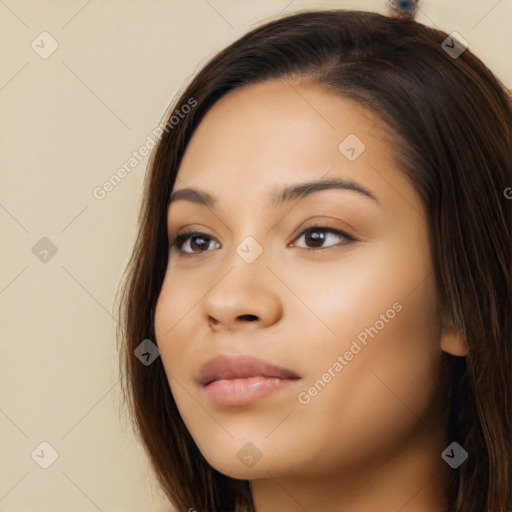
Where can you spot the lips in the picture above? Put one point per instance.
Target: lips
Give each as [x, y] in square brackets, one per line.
[240, 367]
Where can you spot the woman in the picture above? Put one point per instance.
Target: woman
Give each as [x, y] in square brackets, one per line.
[323, 261]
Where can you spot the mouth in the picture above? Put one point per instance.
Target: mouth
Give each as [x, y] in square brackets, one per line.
[240, 380]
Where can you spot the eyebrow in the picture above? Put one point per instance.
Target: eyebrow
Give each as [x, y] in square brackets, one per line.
[279, 196]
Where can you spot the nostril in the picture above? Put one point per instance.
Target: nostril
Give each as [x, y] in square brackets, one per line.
[248, 317]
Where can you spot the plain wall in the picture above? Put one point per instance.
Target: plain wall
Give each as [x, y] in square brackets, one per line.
[67, 123]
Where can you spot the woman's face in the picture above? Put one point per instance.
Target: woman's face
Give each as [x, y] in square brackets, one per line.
[350, 307]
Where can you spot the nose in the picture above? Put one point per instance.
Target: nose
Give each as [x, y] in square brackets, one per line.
[246, 296]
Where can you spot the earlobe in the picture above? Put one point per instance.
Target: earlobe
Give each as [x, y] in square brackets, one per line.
[452, 342]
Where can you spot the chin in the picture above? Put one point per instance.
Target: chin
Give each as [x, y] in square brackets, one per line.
[244, 461]
[234, 468]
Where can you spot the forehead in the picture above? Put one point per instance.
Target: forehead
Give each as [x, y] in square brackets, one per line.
[271, 122]
[259, 137]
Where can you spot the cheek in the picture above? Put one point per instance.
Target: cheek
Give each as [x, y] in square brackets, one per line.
[384, 313]
[394, 306]
[386, 388]
[174, 305]
[171, 313]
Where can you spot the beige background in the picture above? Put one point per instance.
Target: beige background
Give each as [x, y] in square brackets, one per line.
[67, 123]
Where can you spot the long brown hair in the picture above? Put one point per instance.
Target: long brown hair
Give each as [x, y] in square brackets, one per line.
[450, 118]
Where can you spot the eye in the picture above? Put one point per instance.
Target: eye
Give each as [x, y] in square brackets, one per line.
[318, 235]
[197, 242]
[196, 238]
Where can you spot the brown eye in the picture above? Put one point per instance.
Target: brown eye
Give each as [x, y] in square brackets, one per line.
[199, 242]
[316, 236]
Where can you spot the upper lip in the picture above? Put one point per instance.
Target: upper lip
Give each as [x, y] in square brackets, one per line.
[240, 367]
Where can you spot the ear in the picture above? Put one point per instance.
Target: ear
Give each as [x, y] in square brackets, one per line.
[452, 341]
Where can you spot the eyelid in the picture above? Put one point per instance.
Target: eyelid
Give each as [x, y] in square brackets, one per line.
[324, 225]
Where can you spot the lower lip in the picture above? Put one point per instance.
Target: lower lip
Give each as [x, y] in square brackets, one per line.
[244, 391]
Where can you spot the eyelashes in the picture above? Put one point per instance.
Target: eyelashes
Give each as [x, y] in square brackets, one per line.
[177, 243]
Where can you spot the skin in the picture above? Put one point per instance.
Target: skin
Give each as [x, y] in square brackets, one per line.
[371, 439]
